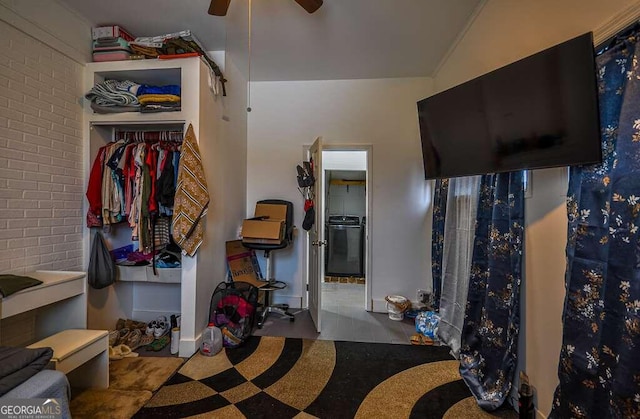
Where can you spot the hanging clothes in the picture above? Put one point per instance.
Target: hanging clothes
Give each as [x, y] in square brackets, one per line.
[94, 190]
[191, 198]
[111, 193]
[124, 182]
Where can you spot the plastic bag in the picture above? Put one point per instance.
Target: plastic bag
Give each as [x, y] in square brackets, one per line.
[427, 323]
[102, 270]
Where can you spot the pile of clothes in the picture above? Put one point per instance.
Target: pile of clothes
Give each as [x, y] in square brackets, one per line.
[159, 98]
[115, 96]
[176, 45]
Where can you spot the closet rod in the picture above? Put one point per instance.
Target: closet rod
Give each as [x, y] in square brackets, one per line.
[172, 136]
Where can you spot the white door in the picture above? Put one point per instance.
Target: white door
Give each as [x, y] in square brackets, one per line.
[316, 237]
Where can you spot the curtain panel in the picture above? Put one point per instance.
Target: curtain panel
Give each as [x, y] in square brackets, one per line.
[437, 237]
[460, 224]
[599, 369]
[488, 356]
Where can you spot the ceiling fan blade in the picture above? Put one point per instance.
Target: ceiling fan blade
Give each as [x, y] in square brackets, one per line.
[310, 5]
[219, 7]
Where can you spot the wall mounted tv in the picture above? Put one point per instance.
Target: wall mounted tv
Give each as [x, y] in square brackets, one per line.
[541, 111]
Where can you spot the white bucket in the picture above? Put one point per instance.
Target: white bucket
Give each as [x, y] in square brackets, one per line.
[394, 312]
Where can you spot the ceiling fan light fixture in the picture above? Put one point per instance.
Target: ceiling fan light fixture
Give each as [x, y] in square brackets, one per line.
[219, 7]
[310, 5]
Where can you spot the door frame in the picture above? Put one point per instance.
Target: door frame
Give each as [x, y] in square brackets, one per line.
[368, 148]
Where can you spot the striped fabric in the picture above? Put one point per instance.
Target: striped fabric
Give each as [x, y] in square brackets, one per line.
[192, 197]
[114, 93]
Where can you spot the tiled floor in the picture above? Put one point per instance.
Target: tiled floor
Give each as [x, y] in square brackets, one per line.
[343, 318]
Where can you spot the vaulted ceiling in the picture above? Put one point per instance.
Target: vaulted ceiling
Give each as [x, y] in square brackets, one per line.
[344, 39]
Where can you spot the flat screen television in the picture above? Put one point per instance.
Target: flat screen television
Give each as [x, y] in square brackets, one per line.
[541, 111]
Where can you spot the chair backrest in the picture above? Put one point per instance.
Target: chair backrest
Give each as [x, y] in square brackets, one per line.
[288, 229]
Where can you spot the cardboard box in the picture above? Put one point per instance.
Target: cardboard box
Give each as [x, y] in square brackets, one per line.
[243, 264]
[274, 212]
[112, 31]
[267, 230]
[262, 231]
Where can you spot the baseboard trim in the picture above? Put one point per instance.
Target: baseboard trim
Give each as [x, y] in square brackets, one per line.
[189, 347]
[149, 315]
[379, 306]
[294, 301]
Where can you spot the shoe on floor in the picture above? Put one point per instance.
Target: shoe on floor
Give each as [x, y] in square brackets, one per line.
[159, 344]
[113, 337]
[133, 339]
[162, 327]
[122, 335]
[144, 341]
[151, 327]
[120, 351]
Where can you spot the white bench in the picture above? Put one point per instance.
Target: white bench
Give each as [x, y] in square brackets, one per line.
[81, 354]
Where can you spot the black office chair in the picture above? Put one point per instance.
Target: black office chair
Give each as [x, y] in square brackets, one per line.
[272, 284]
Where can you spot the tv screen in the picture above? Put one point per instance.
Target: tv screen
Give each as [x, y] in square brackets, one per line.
[541, 111]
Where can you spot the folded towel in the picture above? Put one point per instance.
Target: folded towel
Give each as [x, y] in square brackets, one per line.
[157, 98]
[170, 89]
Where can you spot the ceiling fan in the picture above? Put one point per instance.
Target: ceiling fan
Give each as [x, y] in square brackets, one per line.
[220, 7]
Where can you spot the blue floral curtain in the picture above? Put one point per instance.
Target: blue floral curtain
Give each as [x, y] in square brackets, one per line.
[599, 368]
[437, 237]
[488, 357]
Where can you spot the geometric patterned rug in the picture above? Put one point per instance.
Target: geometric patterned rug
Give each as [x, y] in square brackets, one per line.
[277, 377]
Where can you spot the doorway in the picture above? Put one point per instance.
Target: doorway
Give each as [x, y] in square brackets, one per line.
[340, 157]
[346, 222]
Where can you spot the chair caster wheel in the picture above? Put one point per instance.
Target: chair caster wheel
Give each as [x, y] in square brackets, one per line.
[292, 319]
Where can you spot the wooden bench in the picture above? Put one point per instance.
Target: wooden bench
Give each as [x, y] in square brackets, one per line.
[81, 354]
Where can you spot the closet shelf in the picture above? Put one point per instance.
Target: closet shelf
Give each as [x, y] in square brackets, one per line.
[137, 118]
[145, 274]
[157, 72]
[152, 72]
[344, 182]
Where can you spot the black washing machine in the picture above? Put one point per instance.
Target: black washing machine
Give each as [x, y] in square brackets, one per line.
[344, 253]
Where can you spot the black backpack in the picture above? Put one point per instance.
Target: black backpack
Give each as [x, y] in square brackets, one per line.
[101, 271]
[233, 310]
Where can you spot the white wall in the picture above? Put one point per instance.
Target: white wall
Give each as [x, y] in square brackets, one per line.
[52, 23]
[505, 31]
[344, 160]
[287, 115]
[41, 145]
[224, 157]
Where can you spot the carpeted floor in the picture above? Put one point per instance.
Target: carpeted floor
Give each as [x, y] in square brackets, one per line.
[276, 377]
[132, 382]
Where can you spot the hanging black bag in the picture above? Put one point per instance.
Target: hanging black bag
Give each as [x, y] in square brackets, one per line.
[102, 270]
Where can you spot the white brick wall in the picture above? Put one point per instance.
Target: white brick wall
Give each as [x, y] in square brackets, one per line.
[41, 185]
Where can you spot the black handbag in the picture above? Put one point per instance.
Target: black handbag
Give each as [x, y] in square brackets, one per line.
[102, 270]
